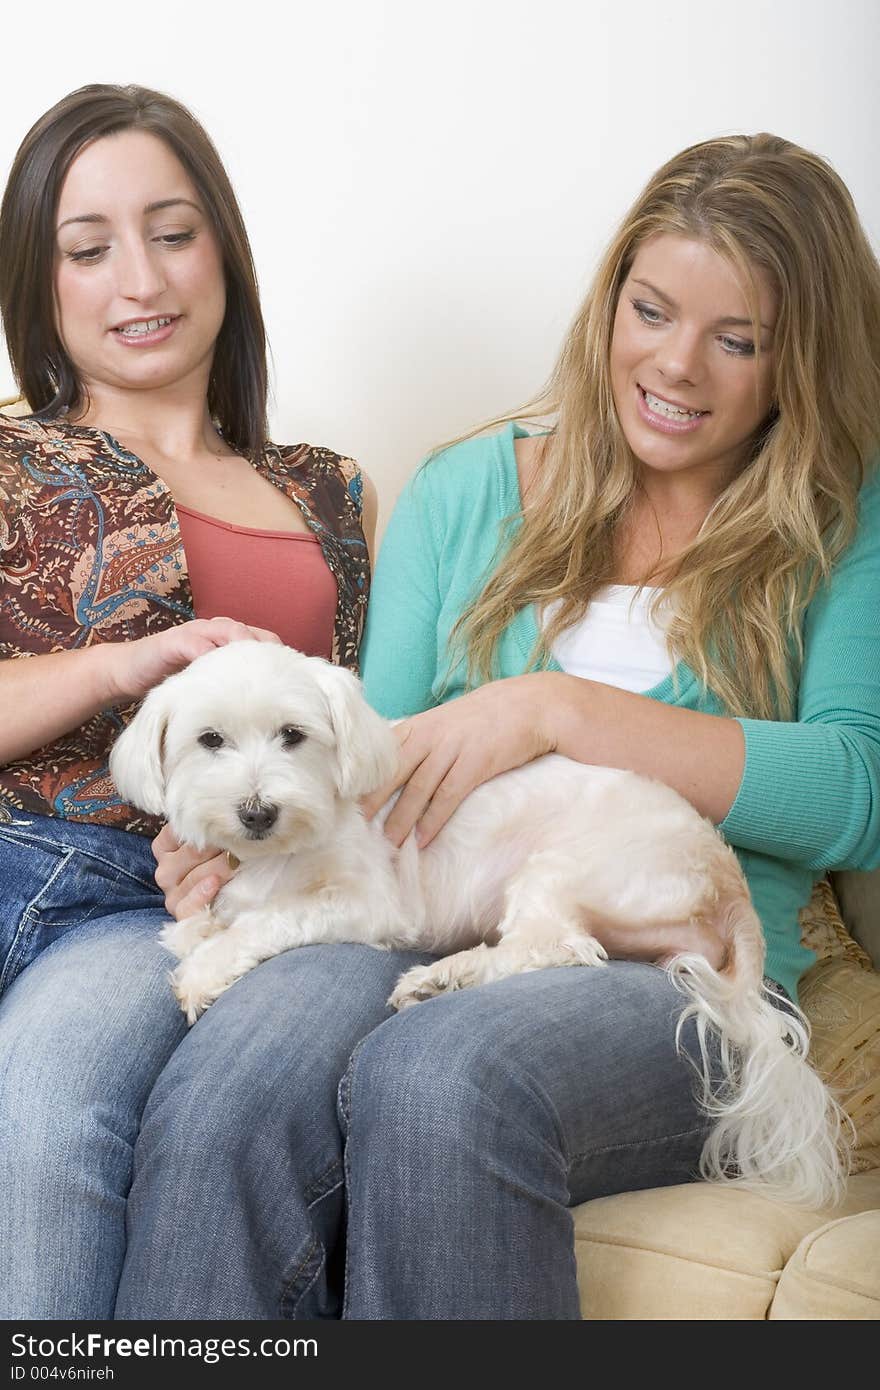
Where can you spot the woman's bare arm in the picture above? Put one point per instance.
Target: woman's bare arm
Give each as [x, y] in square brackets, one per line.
[44, 697]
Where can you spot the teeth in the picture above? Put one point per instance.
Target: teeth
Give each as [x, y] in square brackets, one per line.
[672, 412]
[133, 330]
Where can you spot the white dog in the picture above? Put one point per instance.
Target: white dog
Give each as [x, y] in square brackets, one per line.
[264, 752]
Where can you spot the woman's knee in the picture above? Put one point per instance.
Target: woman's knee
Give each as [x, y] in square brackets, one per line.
[436, 1075]
[91, 1014]
[84, 1032]
[563, 1062]
[262, 1065]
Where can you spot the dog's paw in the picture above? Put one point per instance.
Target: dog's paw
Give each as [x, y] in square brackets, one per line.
[408, 992]
[181, 938]
[582, 950]
[188, 995]
[427, 981]
[193, 992]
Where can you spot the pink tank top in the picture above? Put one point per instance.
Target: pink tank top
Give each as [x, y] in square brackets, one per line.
[273, 579]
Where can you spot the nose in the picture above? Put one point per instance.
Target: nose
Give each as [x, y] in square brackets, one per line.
[139, 273]
[679, 356]
[257, 816]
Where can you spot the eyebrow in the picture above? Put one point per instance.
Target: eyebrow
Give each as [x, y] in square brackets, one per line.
[728, 322]
[98, 217]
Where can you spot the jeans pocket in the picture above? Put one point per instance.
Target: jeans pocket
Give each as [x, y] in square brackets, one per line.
[48, 888]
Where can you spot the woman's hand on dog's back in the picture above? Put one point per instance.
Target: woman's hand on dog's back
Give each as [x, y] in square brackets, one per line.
[448, 751]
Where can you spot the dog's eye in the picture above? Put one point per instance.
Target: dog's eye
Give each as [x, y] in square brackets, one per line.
[291, 736]
[211, 739]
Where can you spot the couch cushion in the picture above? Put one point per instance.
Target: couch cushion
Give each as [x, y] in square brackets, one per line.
[841, 997]
[842, 1002]
[834, 1273]
[693, 1252]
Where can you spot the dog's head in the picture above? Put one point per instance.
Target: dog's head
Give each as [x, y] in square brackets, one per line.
[250, 747]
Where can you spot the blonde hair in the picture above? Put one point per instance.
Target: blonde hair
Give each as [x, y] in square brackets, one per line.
[739, 589]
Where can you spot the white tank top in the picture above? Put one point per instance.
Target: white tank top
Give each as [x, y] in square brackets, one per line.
[617, 642]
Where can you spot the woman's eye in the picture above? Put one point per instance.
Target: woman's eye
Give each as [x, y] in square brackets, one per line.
[175, 238]
[738, 347]
[88, 255]
[291, 736]
[646, 313]
[211, 739]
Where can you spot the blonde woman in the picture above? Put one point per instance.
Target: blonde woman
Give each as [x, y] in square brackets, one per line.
[679, 574]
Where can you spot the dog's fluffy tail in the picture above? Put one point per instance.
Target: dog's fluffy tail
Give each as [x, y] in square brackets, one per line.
[777, 1128]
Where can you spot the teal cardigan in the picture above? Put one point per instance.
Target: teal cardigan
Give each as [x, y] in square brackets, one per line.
[809, 799]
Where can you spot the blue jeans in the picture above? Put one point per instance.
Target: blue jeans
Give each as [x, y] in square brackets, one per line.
[302, 1152]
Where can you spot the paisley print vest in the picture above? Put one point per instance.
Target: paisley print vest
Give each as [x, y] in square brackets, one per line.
[90, 551]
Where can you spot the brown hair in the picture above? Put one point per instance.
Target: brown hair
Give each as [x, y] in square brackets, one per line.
[741, 586]
[45, 374]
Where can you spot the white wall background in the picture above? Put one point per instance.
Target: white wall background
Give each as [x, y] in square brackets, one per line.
[427, 186]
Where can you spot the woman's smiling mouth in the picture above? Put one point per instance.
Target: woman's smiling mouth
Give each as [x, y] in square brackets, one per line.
[145, 332]
[666, 415]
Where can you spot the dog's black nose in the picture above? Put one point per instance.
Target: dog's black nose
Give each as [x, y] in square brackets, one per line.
[257, 816]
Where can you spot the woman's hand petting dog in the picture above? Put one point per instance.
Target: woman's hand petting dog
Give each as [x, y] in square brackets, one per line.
[445, 753]
[138, 666]
[189, 878]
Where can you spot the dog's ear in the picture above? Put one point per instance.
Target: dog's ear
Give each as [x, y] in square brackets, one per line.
[366, 748]
[137, 757]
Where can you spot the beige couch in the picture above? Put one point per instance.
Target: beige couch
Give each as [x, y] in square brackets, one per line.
[700, 1252]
